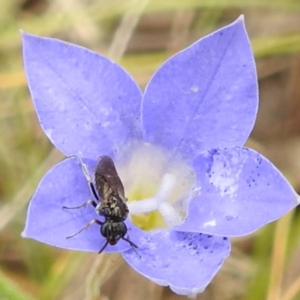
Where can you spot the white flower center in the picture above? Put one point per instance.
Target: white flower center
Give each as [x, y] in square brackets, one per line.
[157, 186]
[158, 202]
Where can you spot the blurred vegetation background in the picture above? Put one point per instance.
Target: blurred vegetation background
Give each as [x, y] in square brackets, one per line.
[140, 35]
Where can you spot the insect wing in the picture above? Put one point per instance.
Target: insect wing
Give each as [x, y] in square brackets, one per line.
[107, 179]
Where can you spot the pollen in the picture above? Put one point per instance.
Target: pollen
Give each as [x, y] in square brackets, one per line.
[158, 187]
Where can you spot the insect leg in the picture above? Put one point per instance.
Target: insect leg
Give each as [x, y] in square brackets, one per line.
[104, 246]
[82, 205]
[87, 176]
[133, 246]
[130, 242]
[85, 227]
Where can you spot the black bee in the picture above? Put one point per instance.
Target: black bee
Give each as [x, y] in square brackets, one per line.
[109, 192]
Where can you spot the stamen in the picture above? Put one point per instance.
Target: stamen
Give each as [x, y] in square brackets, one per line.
[151, 204]
[165, 188]
[169, 214]
[158, 202]
[142, 206]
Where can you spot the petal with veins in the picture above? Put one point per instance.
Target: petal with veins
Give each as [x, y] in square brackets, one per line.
[186, 262]
[205, 96]
[86, 104]
[240, 192]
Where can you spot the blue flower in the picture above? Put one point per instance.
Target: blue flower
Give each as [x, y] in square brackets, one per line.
[178, 149]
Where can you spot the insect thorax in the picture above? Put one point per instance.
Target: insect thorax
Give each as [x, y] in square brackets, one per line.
[113, 208]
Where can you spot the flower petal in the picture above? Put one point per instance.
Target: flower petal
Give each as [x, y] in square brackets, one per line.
[186, 262]
[205, 96]
[86, 104]
[239, 191]
[48, 222]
